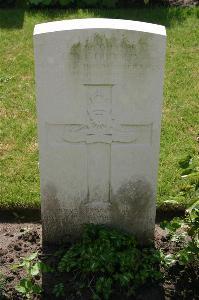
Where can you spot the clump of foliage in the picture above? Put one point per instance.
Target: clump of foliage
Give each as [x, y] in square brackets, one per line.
[184, 231]
[106, 258]
[74, 3]
[2, 285]
[59, 290]
[33, 268]
[188, 166]
[189, 183]
[85, 3]
[189, 189]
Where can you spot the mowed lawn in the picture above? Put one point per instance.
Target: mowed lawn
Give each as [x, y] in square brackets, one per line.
[19, 145]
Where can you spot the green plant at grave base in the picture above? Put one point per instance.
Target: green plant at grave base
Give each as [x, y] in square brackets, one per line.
[185, 231]
[32, 267]
[105, 258]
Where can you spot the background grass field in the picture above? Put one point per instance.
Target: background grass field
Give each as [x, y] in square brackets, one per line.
[19, 147]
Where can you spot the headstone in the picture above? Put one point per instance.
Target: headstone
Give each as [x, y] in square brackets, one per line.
[99, 96]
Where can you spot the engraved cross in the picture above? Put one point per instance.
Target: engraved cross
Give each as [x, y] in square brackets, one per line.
[99, 133]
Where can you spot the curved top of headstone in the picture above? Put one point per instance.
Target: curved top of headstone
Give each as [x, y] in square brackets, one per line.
[99, 23]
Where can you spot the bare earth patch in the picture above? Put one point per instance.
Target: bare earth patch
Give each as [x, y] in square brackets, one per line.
[21, 239]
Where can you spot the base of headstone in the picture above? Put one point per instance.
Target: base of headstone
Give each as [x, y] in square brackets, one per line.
[98, 213]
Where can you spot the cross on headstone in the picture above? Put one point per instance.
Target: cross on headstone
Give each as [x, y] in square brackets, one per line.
[102, 128]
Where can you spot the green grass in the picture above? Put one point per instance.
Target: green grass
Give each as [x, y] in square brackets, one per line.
[19, 149]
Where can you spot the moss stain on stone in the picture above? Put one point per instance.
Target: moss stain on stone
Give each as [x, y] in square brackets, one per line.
[130, 204]
[98, 47]
[103, 50]
[128, 50]
[143, 48]
[75, 53]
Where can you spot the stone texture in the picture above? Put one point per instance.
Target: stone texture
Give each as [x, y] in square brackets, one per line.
[99, 96]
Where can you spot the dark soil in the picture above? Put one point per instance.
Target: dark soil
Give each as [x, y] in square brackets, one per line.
[21, 239]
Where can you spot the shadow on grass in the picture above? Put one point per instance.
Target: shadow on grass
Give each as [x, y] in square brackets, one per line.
[12, 18]
[166, 16]
[12, 14]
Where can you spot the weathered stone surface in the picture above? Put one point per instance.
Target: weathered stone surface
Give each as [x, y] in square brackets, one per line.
[99, 96]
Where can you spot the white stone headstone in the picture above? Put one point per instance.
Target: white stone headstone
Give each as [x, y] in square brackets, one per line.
[99, 97]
